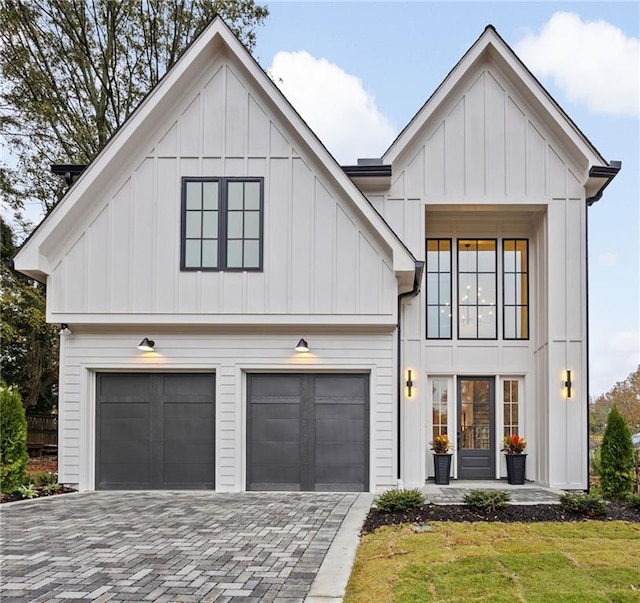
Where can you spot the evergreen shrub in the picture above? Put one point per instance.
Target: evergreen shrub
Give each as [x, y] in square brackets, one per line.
[13, 441]
[617, 473]
[400, 500]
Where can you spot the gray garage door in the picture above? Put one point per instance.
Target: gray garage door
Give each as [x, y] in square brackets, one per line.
[308, 432]
[155, 431]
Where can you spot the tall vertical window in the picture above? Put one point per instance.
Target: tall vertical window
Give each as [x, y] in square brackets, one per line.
[439, 404]
[222, 223]
[477, 284]
[515, 257]
[438, 288]
[510, 406]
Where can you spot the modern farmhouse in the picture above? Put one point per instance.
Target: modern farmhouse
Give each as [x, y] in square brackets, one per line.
[239, 312]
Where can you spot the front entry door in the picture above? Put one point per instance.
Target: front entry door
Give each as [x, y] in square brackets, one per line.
[476, 437]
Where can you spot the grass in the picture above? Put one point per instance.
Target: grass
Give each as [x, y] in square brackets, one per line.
[573, 562]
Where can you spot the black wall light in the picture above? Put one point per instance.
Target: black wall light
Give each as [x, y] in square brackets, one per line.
[409, 383]
[568, 385]
[146, 345]
[302, 346]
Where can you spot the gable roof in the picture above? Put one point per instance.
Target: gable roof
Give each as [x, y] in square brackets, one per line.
[490, 42]
[32, 259]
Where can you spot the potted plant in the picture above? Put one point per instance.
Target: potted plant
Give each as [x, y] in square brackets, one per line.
[441, 458]
[513, 447]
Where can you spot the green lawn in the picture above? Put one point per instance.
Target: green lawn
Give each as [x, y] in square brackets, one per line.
[577, 562]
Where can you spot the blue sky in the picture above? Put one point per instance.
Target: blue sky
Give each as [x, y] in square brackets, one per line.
[391, 56]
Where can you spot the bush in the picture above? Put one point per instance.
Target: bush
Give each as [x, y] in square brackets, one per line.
[591, 505]
[42, 478]
[400, 500]
[28, 491]
[13, 441]
[487, 500]
[616, 459]
[634, 501]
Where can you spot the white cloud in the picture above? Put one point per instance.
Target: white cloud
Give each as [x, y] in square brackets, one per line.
[613, 359]
[334, 104]
[592, 62]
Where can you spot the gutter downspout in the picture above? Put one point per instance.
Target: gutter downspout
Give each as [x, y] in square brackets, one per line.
[417, 281]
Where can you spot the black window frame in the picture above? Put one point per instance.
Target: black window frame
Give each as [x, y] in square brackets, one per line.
[451, 276]
[527, 304]
[223, 182]
[458, 305]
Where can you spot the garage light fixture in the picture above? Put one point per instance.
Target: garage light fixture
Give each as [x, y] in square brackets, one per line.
[64, 329]
[567, 385]
[146, 345]
[302, 346]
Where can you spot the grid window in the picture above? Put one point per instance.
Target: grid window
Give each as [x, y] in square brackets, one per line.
[439, 404]
[477, 284]
[439, 289]
[222, 223]
[510, 407]
[515, 275]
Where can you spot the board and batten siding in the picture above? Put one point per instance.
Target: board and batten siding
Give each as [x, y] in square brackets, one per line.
[320, 256]
[230, 356]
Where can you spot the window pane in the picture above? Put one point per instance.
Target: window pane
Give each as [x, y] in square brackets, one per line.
[507, 415]
[445, 321]
[210, 253]
[252, 224]
[194, 195]
[467, 288]
[193, 224]
[251, 254]
[486, 289]
[234, 254]
[521, 263]
[509, 289]
[486, 324]
[210, 224]
[433, 321]
[234, 224]
[432, 288]
[445, 288]
[467, 322]
[432, 256]
[523, 316]
[192, 254]
[510, 323]
[210, 195]
[252, 195]
[486, 256]
[466, 256]
[235, 195]
[522, 293]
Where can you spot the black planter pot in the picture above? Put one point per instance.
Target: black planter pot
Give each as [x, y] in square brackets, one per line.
[516, 468]
[442, 466]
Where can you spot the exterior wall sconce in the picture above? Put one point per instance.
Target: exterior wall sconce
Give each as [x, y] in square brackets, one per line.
[567, 385]
[64, 329]
[302, 346]
[409, 383]
[146, 345]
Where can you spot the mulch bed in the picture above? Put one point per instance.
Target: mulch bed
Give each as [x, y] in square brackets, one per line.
[616, 510]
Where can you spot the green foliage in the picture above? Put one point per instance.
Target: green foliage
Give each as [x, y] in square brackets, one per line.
[13, 441]
[634, 500]
[42, 478]
[400, 500]
[487, 500]
[596, 461]
[74, 71]
[626, 396]
[28, 491]
[51, 488]
[29, 352]
[591, 505]
[616, 465]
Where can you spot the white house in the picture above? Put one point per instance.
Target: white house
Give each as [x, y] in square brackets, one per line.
[439, 289]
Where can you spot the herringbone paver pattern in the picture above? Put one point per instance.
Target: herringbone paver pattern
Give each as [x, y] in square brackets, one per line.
[167, 546]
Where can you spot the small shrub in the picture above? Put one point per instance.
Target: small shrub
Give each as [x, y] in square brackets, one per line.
[616, 460]
[42, 478]
[400, 500]
[634, 501]
[591, 505]
[49, 489]
[487, 500]
[28, 491]
[13, 441]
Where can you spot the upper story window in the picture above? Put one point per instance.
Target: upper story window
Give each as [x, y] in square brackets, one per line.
[222, 223]
[475, 267]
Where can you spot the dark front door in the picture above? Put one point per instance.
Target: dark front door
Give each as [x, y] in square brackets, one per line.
[476, 437]
[155, 431]
[307, 432]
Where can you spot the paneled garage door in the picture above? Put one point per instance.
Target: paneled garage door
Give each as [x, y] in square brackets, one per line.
[308, 432]
[155, 431]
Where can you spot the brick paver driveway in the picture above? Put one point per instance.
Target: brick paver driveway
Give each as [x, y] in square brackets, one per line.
[167, 546]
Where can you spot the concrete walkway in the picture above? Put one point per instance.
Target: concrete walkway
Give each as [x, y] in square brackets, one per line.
[454, 493]
[180, 546]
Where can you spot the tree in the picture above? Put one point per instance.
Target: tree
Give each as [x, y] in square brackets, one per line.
[13, 440]
[29, 351]
[74, 70]
[626, 396]
[616, 460]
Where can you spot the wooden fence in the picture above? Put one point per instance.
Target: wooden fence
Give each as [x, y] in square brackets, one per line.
[42, 429]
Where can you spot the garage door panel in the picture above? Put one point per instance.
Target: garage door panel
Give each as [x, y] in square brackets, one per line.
[320, 442]
[167, 442]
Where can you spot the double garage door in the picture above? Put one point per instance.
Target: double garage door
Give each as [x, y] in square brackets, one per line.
[304, 431]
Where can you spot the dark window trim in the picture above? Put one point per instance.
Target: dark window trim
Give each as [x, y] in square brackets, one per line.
[451, 276]
[222, 223]
[504, 306]
[458, 288]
